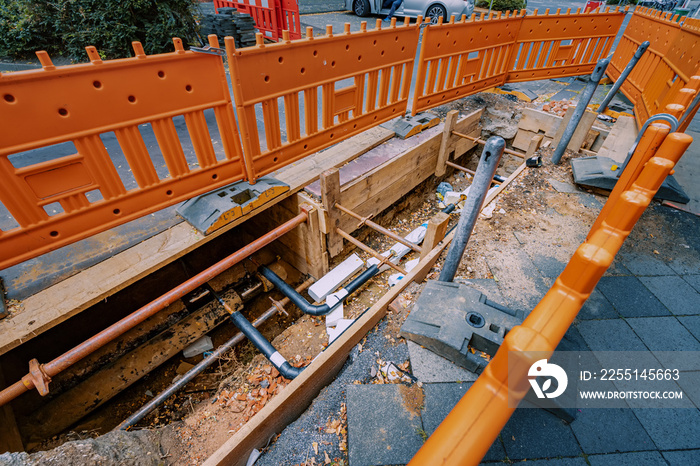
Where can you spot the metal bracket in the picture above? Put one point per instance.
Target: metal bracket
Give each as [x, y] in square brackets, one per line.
[208, 49]
[37, 377]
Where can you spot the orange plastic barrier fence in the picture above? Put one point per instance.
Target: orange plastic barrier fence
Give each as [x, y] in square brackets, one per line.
[460, 59]
[468, 431]
[361, 79]
[271, 20]
[561, 45]
[668, 65]
[70, 197]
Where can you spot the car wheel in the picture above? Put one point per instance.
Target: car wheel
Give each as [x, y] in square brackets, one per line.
[435, 12]
[361, 7]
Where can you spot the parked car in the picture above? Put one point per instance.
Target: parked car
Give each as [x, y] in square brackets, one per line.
[431, 10]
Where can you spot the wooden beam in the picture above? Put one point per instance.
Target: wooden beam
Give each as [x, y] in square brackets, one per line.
[288, 405]
[330, 196]
[618, 143]
[437, 227]
[445, 145]
[534, 145]
[63, 300]
[315, 245]
[10, 438]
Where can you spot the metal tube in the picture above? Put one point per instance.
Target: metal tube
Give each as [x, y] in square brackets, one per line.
[70, 357]
[496, 178]
[482, 142]
[382, 259]
[623, 76]
[379, 228]
[203, 364]
[580, 109]
[490, 157]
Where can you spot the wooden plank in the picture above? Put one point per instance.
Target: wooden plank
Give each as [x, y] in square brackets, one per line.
[620, 140]
[10, 438]
[315, 245]
[584, 126]
[444, 152]
[437, 227]
[589, 140]
[330, 196]
[562, 126]
[63, 300]
[534, 145]
[537, 120]
[522, 139]
[289, 404]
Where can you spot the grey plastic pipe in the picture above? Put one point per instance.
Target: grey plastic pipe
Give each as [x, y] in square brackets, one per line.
[490, 157]
[623, 76]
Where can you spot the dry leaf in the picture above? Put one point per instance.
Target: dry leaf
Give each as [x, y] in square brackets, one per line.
[315, 445]
[328, 460]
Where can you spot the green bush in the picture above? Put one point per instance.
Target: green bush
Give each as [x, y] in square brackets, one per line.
[65, 27]
[502, 5]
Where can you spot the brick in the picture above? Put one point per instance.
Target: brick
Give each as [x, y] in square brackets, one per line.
[630, 297]
[674, 293]
[647, 458]
[534, 433]
[610, 430]
[381, 430]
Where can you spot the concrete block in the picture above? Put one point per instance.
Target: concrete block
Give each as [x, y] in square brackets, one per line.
[692, 323]
[644, 264]
[534, 433]
[382, 427]
[671, 429]
[631, 298]
[428, 367]
[647, 458]
[597, 306]
[682, 457]
[610, 335]
[675, 293]
[693, 280]
[440, 398]
[336, 277]
[609, 431]
[590, 201]
[335, 316]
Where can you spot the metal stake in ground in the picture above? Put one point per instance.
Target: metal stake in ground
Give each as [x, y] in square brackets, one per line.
[623, 76]
[580, 108]
[493, 150]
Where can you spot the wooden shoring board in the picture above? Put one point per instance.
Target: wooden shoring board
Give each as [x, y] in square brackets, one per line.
[59, 302]
[382, 186]
[291, 403]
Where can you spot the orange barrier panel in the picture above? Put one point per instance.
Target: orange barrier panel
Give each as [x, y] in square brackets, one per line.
[460, 59]
[114, 99]
[645, 24]
[468, 431]
[270, 20]
[360, 80]
[561, 45]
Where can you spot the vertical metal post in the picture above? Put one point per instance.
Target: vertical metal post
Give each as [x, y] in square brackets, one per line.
[580, 108]
[623, 76]
[493, 150]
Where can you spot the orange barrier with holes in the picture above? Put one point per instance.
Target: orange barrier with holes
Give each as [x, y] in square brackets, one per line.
[460, 59]
[468, 431]
[115, 98]
[282, 15]
[361, 79]
[559, 45]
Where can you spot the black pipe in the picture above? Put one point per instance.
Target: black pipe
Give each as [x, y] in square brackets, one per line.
[264, 346]
[303, 304]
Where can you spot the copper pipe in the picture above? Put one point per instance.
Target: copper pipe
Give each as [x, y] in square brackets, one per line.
[113, 331]
[482, 142]
[364, 247]
[465, 169]
[379, 228]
